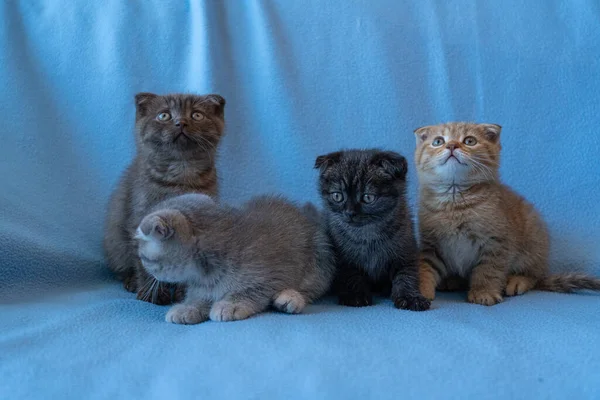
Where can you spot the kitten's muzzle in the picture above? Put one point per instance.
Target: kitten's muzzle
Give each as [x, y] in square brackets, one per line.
[349, 215]
[353, 219]
[453, 156]
[452, 147]
[182, 135]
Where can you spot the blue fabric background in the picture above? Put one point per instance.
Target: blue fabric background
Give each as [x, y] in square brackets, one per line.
[301, 78]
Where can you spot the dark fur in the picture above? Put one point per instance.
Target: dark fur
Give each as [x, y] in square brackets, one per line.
[374, 243]
[170, 160]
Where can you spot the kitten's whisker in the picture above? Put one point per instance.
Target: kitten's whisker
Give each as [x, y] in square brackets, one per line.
[155, 287]
[152, 291]
[483, 169]
[145, 286]
[148, 289]
[145, 295]
[202, 140]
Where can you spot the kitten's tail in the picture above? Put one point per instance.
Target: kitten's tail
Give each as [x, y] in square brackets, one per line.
[568, 283]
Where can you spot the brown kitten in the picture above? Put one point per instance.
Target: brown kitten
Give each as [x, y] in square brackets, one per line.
[472, 226]
[176, 139]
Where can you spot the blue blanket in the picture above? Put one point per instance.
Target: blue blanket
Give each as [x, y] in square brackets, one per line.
[301, 78]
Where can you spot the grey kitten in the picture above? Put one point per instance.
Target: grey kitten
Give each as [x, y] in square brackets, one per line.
[176, 139]
[236, 262]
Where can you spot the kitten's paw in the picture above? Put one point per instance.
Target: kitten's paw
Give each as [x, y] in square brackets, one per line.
[155, 227]
[289, 301]
[412, 303]
[185, 314]
[355, 299]
[229, 311]
[427, 291]
[484, 297]
[130, 283]
[518, 284]
[427, 286]
[155, 293]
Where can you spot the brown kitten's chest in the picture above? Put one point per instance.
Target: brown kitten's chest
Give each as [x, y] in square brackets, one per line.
[155, 184]
[182, 175]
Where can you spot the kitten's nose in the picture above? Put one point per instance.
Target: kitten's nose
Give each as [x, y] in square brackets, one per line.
[180, 123]
[349, 214]
[452, 146]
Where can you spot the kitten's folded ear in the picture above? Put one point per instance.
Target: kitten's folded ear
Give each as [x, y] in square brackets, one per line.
[422, 133]
[492, 132]
[216, 99]
[218, 103]
[392, 163]
[143, 100]
[155, 227]
[327, 160]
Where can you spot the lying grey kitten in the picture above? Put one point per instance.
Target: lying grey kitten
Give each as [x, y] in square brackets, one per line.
[236, 261]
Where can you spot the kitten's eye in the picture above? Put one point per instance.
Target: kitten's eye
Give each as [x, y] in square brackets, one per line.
[368, 198]
[438, 141]
[163, 116]
[470, 141]
[198, 116]
[337, 197]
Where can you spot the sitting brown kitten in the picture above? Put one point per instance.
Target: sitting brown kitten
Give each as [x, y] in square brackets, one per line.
[472, 226]
[176, 139]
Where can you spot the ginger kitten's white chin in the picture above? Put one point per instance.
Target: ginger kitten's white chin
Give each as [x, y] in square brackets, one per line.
[452, 171]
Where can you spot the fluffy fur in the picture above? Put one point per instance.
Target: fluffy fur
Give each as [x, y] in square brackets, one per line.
[368, 220]
[176, 140]
[475, 228]
[236, 262]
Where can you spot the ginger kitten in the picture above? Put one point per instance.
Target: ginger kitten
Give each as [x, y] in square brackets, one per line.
[474, 227]
[176, 139]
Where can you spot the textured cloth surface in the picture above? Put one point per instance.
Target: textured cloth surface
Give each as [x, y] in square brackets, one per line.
[301, 78]
[78, 344]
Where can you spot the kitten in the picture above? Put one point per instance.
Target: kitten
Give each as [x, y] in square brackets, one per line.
[236, 262]
[176, 140]
[475, 227]
[370, 226]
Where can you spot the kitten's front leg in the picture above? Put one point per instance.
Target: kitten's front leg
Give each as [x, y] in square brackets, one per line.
[289, 301]
[352, 287]
[488, 279]
[431, 272]
[189, 312]
[405, 287]
[241, 305]
[130, 281]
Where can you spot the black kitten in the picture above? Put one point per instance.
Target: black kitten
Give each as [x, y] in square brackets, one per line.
[370, 226]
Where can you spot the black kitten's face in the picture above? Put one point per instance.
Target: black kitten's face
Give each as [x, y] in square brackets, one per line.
[180, 121]
[361, 187]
